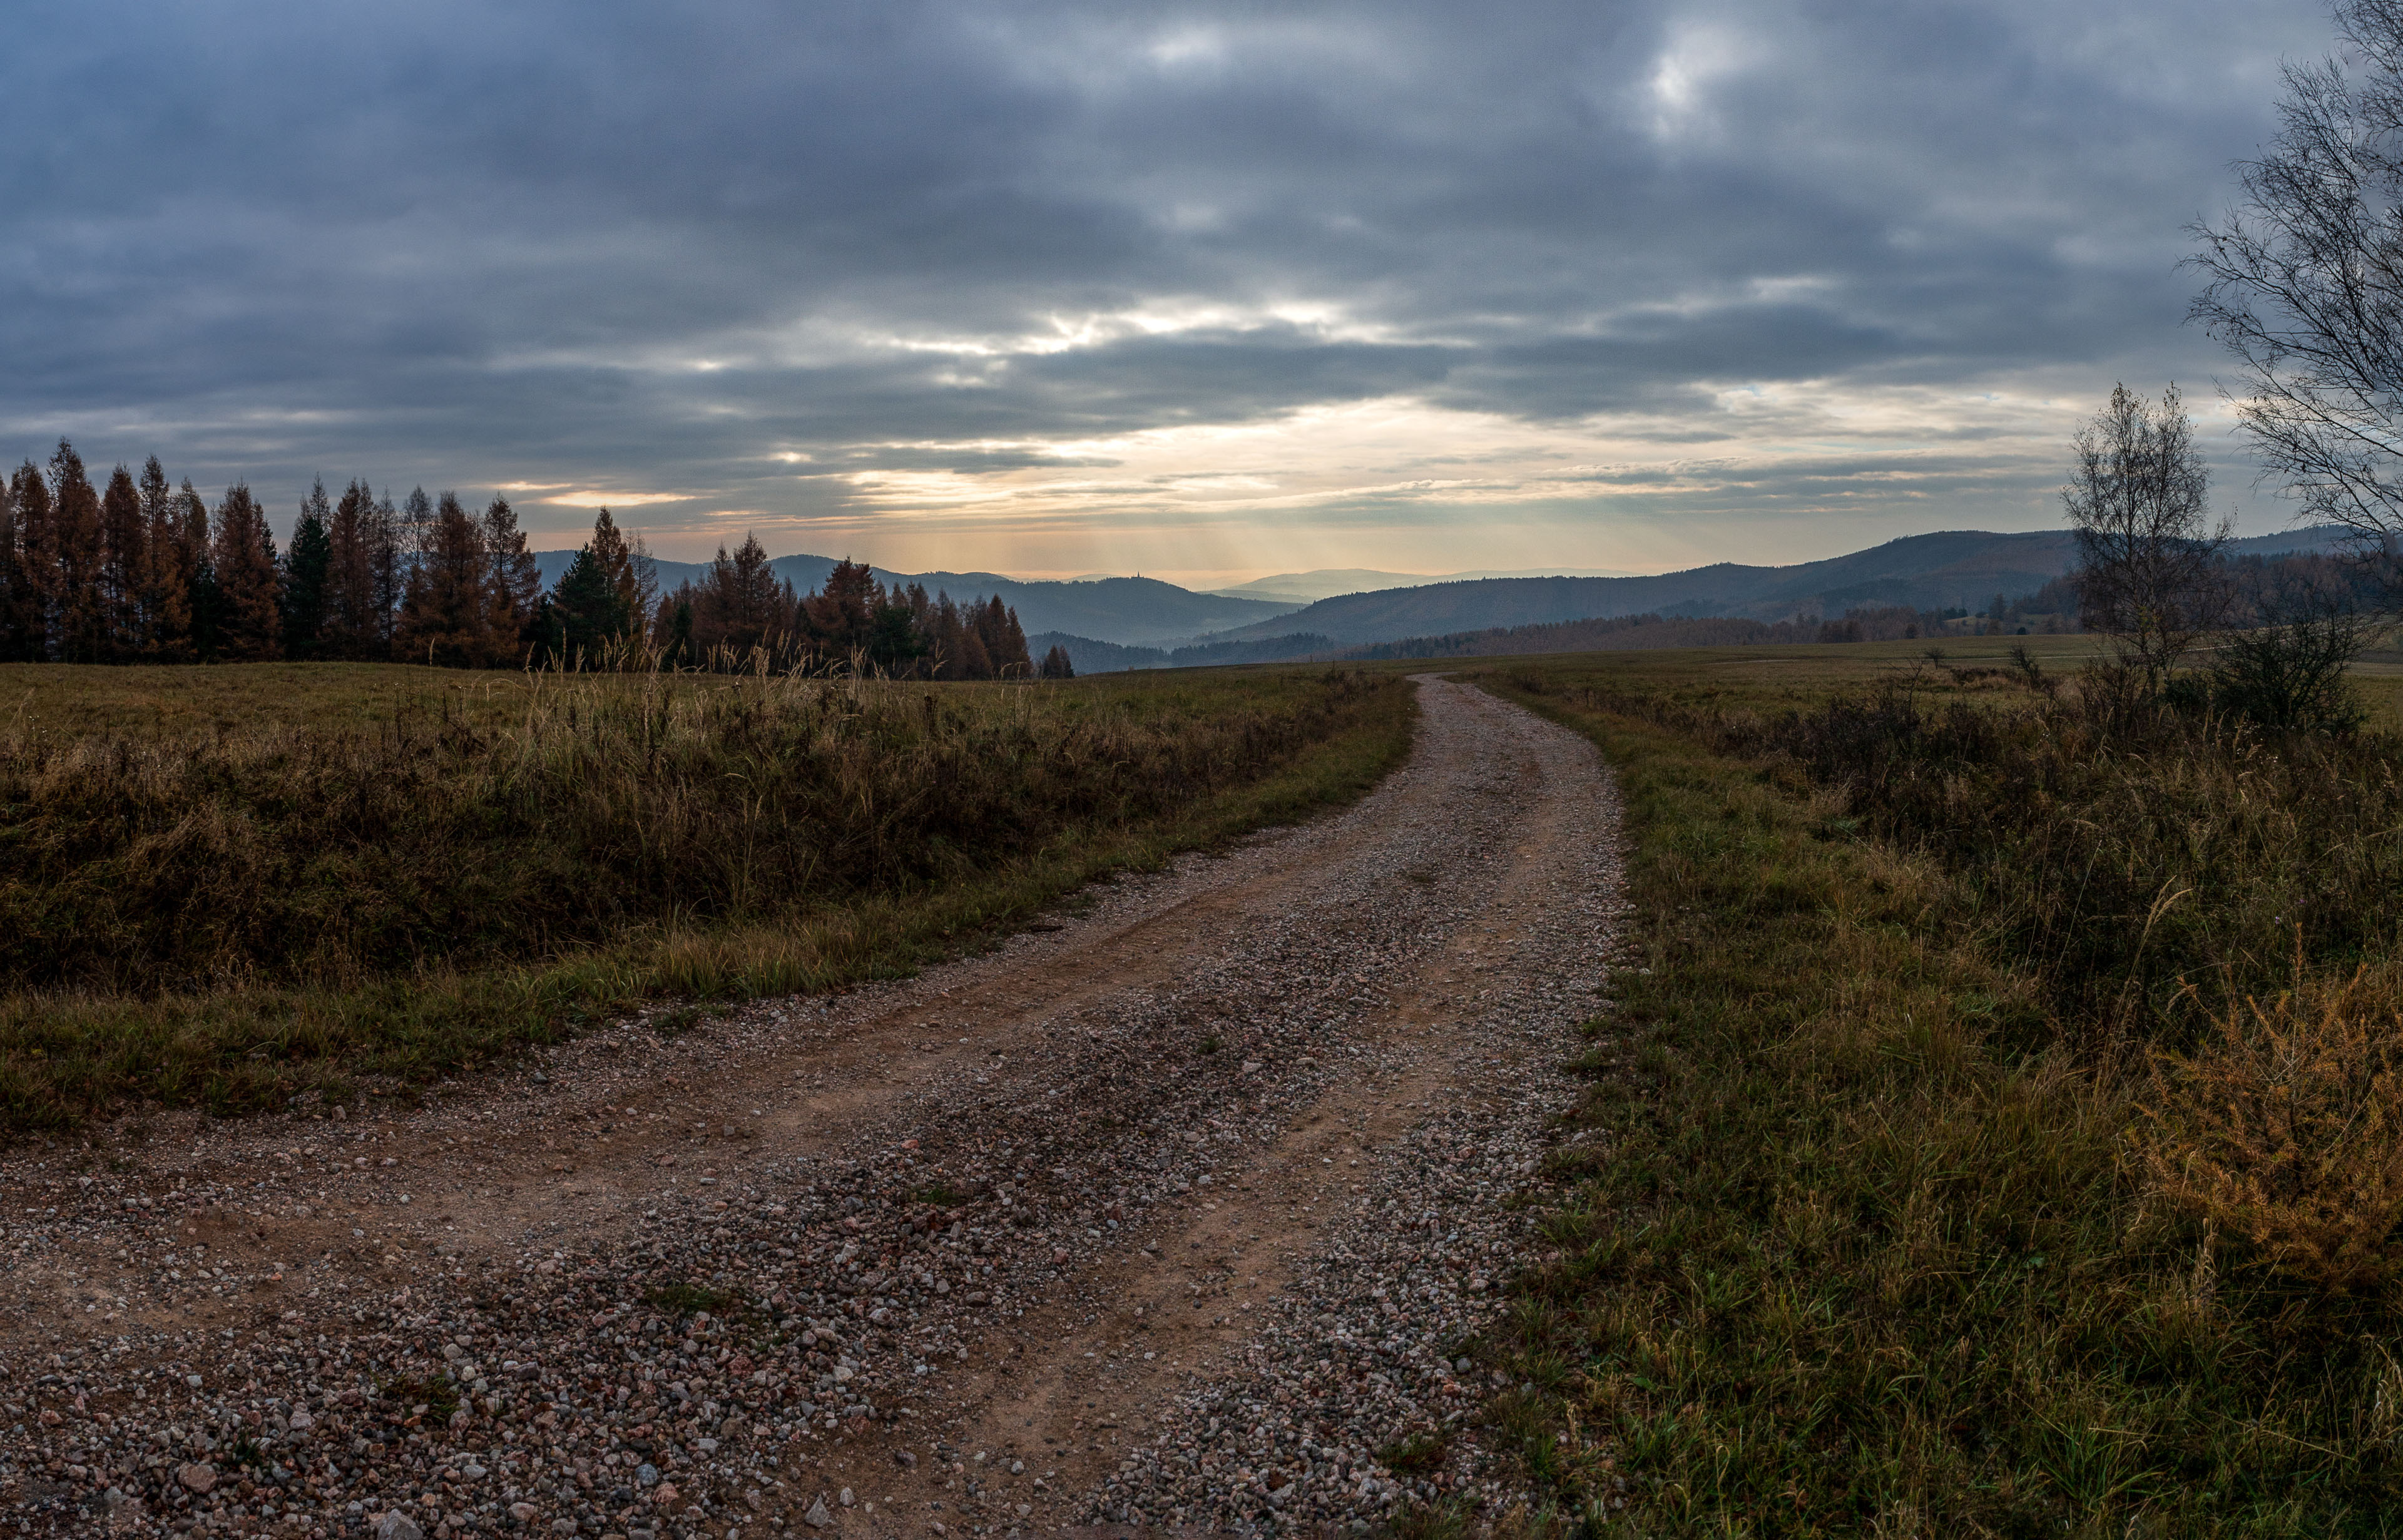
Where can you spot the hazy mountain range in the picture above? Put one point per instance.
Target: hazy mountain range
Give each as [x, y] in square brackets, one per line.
[1138, 610]
[1957, 569]
[1109, 623]
[1305, 588]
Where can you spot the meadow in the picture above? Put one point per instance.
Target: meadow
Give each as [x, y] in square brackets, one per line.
[1999, 1137]
[243, 885]
[1995, 1139]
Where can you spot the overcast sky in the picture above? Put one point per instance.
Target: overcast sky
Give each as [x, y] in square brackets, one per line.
[1203, 290]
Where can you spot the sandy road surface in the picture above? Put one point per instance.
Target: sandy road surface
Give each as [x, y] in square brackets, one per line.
[1175, 1217]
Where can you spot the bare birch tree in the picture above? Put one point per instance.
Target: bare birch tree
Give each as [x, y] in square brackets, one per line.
[2305, 283]
[2148, 552]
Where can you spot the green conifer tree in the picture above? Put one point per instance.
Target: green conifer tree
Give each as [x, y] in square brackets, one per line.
[307, 579]
[121, 541]
[208, 605]
[354, 626]
[586, 615]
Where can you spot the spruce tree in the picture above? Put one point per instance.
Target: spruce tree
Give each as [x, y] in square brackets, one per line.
[242, 554]
[1056, 663]
[642, 574]
[585, 613]
[416, 530]
[122, 542]
[543, 641]
[389, 557]
[605, 598]
[307, 578]
[895, 644]
[208, 606]
[679, 630]
[356, 629]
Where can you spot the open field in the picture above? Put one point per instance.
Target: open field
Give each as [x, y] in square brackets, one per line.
[234, 885]
[1885, 1212]
[1780, 678]
[67, 700]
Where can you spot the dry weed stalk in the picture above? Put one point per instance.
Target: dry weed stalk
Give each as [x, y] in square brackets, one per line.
[2283, 1129]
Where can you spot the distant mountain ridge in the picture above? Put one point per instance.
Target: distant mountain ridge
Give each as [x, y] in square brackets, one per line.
[1133, 611]
[1963, 569]
[1142, 622]
[1303, 588]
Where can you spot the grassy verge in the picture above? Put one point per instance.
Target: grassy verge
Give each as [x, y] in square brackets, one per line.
[748, 840]
[1856, 1241]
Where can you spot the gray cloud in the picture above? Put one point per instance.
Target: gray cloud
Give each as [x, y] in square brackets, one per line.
[655, 246]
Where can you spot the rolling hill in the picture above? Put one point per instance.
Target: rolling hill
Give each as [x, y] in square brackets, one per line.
[1302, 587]
[1957, 569]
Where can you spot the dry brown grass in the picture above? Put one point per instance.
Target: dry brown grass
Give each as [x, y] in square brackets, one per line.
[2283, 1128]
[276, 896]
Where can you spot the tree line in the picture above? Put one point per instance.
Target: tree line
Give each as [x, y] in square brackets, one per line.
[739, 609]
[140, 570]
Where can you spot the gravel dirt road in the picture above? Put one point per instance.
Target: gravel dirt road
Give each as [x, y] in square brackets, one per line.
[1175, 1215]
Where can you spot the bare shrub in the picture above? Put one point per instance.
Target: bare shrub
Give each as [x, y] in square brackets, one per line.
[2287, 672]
[2283, 1128]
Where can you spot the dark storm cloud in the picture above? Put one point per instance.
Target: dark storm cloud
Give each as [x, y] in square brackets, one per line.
[658, 244]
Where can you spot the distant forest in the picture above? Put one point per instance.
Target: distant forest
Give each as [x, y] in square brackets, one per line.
[138, 570]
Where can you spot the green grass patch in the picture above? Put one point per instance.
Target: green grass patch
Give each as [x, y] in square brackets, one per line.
[430, 1400]
[674, 1023]
[682, 1300]
[1856, 1243]
[1418, 1454]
